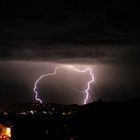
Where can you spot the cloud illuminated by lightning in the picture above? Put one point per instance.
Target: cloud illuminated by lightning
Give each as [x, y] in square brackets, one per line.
[54, 73]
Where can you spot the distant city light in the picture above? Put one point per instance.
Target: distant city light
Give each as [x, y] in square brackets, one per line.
[32, 112]
[63, 113]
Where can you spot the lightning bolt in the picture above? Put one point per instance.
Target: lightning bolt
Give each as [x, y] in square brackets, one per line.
[54, 73]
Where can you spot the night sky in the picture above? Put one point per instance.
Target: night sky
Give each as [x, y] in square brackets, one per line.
[35, 37]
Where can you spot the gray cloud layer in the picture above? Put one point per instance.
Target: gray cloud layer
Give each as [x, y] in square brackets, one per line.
[83, 53]
[37, 41]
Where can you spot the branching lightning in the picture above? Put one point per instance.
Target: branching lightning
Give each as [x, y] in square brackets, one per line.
[86, 91]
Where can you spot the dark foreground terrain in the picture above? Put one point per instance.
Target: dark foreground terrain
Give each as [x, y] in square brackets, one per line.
[100, 120]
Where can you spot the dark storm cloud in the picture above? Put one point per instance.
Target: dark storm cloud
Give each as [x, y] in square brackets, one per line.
[37, 41]
[103, 31]
[67, 52]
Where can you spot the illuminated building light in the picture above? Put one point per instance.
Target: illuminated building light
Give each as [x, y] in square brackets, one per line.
[8, 132]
